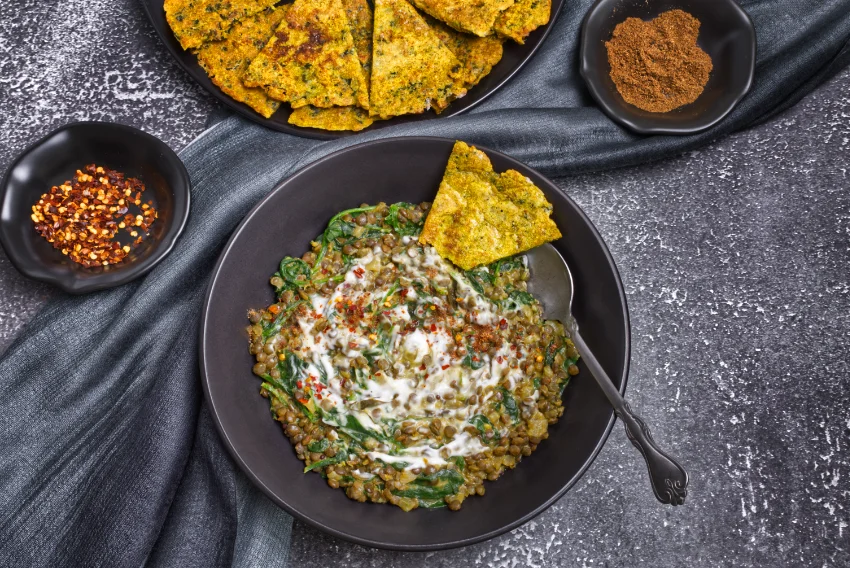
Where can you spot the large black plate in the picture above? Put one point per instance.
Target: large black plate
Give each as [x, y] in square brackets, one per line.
[514, 58]
[400, 169]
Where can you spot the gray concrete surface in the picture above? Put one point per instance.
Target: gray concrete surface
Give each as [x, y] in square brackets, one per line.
[736, 262]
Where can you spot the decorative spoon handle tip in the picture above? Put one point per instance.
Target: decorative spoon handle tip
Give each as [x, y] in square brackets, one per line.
[669, 479]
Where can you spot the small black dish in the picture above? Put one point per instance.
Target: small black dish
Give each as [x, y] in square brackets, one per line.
[284, 223]
[726, 34]
[53, 160]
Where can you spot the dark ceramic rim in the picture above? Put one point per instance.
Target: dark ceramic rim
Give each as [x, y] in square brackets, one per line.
[202, 329]
[315, 133]
[71, 284]
[625, 119]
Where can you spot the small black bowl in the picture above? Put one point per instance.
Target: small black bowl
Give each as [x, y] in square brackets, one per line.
[53, 160]
[726, 34]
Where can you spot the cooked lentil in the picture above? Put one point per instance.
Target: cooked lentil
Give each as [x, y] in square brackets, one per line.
[399, 377]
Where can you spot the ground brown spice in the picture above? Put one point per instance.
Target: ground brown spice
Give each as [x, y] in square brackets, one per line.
[657, 65]
[83, 216]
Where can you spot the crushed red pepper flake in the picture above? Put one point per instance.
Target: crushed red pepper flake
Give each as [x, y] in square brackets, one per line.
[82, 216]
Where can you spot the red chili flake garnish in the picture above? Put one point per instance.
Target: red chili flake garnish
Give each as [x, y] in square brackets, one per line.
[299, 384]
[513, 347]
[475, 358]
[433, 327]
[81, 218]
[426, 375]
[352, 330]
[318, 396]
[386, 312]
[499, 359]
[351, 344]
[422, 367]
[444, 367]
[303, 400]
[503, 323]
[358, 272]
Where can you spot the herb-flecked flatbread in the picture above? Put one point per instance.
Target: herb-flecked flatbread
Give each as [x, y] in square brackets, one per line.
[336, 118]
[360, 20]
[472, 16]
[226, 61]
[480, 216]
[477, 55]
[195, 22]
[411, 68]
[311, 59]
[522, 18]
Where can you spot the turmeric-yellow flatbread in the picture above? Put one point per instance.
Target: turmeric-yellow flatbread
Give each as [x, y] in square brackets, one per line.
[335, 118]
[480, 216]
[412, 69]
[472, 16]
[195, 22]
[311, 59]
[226, 61]
[360, 19]
[477, 55]
[522, 18]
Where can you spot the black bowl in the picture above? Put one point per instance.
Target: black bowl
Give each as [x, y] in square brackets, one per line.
[727, 35]
[53, 160]
[514, 58]
[400, 169]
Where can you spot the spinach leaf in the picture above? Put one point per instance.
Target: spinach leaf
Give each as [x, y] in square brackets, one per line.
[272, 327]
[430, 488]
[505, 265]
[318, 446]
[473, 359]
[294, 272]
[484, 427]
[459, 461]
[509, 404]
[341, 456]
[406, 227]
[477, 278]
[516, 299]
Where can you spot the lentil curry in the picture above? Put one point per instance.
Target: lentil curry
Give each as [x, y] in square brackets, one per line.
[399, 377]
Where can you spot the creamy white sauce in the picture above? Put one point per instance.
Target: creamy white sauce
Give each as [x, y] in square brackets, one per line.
[422, 371]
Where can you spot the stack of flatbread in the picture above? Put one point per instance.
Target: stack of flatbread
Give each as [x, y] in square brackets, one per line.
[342, 65]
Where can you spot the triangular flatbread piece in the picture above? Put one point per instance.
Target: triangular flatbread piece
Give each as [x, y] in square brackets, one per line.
[480, 216]
[472, 16]
[226, 61]
[476, 55]
[522, 18]
[311, 59]
[411, 68]
[195, 22]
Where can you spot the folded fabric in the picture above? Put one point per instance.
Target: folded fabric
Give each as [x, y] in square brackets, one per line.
[107, 453]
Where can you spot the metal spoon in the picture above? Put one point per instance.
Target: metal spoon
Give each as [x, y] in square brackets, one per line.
[552, 284]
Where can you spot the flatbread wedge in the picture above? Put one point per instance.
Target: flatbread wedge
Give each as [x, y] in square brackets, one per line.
[360, 18]
[311, 59]
[476, 55]
[522, 18]
[472, 16]
[480, 216]
[336, 118]
[412, 69]
[195, 22]
[226, 61]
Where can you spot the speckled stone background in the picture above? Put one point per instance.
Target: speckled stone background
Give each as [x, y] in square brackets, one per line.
[736, 260]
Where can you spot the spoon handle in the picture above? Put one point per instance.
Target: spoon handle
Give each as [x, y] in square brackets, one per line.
[669, 479]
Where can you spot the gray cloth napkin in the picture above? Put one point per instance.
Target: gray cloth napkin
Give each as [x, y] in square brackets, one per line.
[108, 455]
